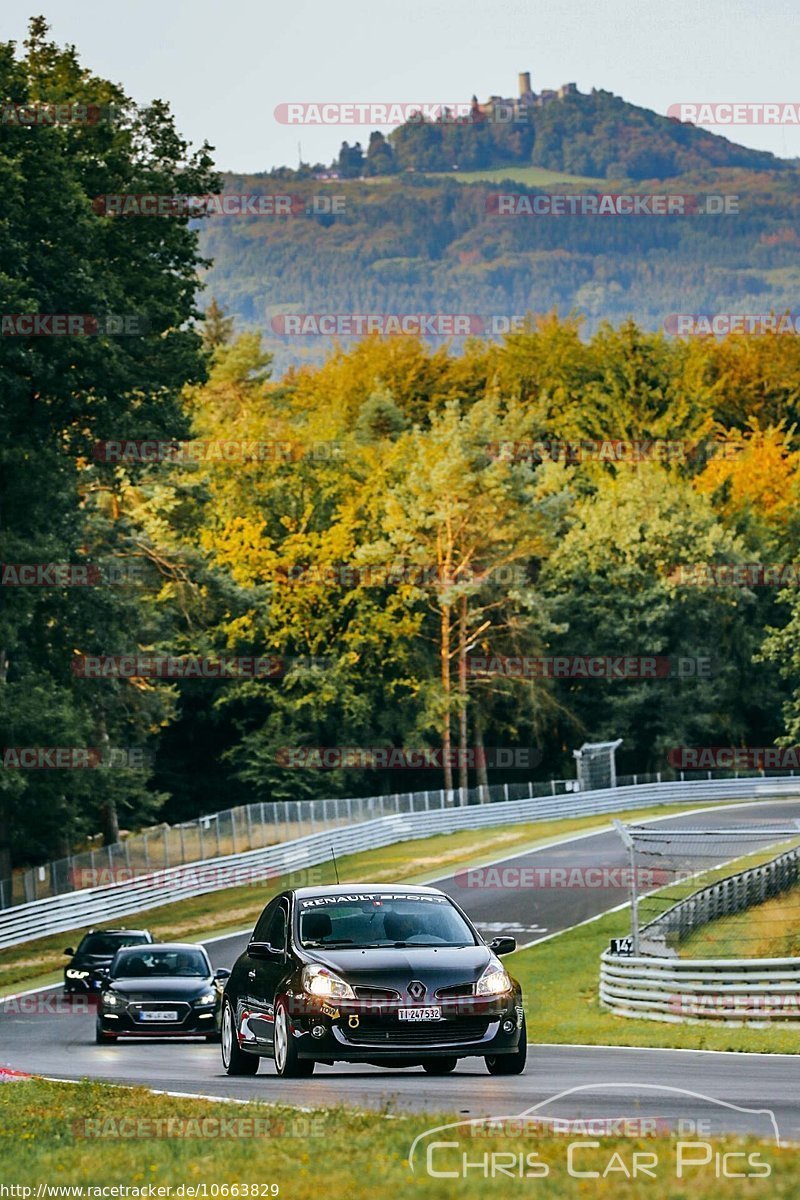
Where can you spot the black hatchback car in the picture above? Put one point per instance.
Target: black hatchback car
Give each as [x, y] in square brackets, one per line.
[160, 990]
[392, 976]
[84, 972]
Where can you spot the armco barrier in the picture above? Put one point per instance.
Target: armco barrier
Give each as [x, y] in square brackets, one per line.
[76, 910]
[723, 991]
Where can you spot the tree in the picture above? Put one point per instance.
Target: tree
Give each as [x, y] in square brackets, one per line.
[66, 252]
[218, 328]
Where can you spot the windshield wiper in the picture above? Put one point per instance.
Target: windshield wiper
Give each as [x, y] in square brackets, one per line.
[328, 945]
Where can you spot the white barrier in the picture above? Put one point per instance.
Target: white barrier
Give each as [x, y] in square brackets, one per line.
[723, 991]
[77, 910]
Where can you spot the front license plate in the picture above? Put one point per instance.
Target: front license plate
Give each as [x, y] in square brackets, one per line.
[162, 1015]
[419, 1014]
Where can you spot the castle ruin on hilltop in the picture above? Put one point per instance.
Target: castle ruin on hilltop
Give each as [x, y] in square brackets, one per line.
[526, 99]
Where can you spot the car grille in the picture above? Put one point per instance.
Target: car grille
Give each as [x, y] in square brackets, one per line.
[376, 993]
[456, 991]
[417, 1034]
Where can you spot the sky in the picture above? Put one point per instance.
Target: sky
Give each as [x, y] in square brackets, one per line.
[225, 66]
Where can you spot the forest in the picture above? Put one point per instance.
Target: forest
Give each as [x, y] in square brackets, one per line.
[522, 542]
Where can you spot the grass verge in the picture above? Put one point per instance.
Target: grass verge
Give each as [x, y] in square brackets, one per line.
[560, 979]
[38, 962]
[769, 930]
[60, 1134]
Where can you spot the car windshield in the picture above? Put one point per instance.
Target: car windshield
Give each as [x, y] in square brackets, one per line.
[149, 962]
[363, 920]
[109, 943]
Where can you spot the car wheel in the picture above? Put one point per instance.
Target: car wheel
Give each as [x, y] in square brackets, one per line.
[235, 1060]
[440, 1066]
[101, 1037]
[287, 1063]
[510, 1064]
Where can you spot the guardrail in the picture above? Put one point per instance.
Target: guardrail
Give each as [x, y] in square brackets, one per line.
[733, 894]
[78, 910]
[727, 991]
[234, 830]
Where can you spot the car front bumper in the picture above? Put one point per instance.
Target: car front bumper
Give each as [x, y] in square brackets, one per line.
[353, 1032]
[194, 1023]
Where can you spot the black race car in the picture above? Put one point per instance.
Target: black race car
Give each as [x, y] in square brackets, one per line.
[392, 976]
[95, 951]
[159, 990]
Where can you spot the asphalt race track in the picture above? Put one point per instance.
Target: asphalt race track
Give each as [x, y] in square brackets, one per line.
[675, 1085]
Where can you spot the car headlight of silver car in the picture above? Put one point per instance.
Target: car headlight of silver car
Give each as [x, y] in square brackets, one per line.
[494, 981]
[319, 981]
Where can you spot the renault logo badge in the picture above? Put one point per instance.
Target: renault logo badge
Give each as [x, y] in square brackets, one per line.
[416, 990]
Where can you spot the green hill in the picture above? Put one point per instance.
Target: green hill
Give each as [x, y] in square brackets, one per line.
[432, 241]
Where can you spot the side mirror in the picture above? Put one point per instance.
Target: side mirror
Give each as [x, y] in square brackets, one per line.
[503, 945]
[222, 973]
[265, 951]
[69, 951]
[102, 972]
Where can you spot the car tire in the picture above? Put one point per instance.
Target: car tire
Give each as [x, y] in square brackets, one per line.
[440, 1066]
[287, 1062]
[101, 1037]
[214, 1037]
[510, 1064]
[235, 1060]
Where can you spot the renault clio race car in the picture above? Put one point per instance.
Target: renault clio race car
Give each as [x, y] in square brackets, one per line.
[391, 976]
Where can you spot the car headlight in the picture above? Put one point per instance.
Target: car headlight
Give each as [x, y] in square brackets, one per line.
[319, 981]
[112, 1001]
[73, 974]
[207, 998]
[493, 982]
